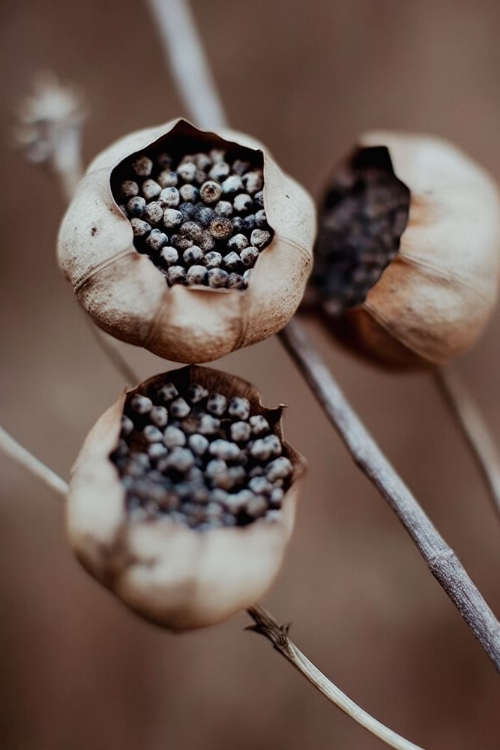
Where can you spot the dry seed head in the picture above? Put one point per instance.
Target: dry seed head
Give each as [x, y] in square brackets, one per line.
[182, 537]
[120, 278]
[408, 251]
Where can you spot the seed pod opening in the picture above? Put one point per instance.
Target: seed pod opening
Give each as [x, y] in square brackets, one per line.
[165, 200]
[182, 500]
[408, 251]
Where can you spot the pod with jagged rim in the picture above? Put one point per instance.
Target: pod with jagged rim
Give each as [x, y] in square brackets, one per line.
[172, 575]
[433, 292]
[126, 295]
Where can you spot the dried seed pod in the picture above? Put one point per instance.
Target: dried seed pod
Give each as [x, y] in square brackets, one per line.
[128, 296]
[408, 250]
[182, 542]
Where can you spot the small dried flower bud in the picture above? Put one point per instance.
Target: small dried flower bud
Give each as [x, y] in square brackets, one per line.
[169, 256]
[128, 286]
[187, 171]
[217, 404]
[136, 207]
[232, 185]
[261, 219]
[152, 434]
[156, 451]
[212, 260]
[231, 262]
[179, 408]
[189, 193]
[210, 192]
[253, 182]
[140, 228]
[259, 198]
[242, 202]
[176, 275]
[180, 459]
[142, 166]
[280, 468]
[208, 425]
[154, 212]
[256, 506]
[224, 208]
[239, 407]
[193, 256]
[196, 393]
[221, 228]
[219, 171]
[192, 230]
[421, 278]
[246, 276]
[196, 274]
[159, 416]
[140, 404]
[172, 218]
[167, 179]
[198, 444]
[259, 425]
[235, 281]
[170, 197]
[168, 392]
[225, 449]
[204, 215]
[249, 256]
[156, 239]
[129, 189]
[151, 189]
[260, 238]
[217, 278]
[127, 425]
[238, 243]
[174, 437]
[240, 431]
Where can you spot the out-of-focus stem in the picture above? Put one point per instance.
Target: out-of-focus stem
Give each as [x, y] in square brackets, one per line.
[474, 429]
[32, 465]
[188, 63]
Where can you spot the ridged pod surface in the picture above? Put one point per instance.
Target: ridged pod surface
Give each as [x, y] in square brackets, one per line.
[177, 577]
[126, 295]
[435, 297]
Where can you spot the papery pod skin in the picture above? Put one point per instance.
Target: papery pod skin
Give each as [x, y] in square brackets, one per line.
[126, 295]
[174, 576]
[434, 299]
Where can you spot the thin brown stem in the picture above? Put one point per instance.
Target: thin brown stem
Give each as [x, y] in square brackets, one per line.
[441, 559]
[277, 634]
[264, 621]
[474, 429]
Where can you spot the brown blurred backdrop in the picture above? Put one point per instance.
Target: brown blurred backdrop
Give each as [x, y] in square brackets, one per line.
[77, 670]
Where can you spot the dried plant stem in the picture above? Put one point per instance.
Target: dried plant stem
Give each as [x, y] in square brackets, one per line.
[474, 429]
[184, 52]
[266, 625]
[441, 559]
[24, 458]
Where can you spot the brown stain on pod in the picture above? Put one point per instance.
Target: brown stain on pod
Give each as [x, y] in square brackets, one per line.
[127, 296]
[174, 576]
[434, 299]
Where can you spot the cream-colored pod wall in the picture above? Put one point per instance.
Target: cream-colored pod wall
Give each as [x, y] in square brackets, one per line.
[176, 577]
[436, 296]
[127, 296]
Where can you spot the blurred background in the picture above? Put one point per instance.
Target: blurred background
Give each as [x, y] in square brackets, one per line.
[78, 670]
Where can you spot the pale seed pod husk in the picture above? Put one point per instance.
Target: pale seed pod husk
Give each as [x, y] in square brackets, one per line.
[126, 295]
[435, 297]
[171, 575]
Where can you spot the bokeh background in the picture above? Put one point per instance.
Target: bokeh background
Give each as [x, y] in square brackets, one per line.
[79, 671]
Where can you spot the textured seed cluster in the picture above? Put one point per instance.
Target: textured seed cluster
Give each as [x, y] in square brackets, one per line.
[200, 218]
[200, 458]
[364, 215]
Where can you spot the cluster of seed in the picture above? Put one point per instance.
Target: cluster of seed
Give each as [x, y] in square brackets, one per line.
[200, 458]
[200, 219]
[363, 218]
